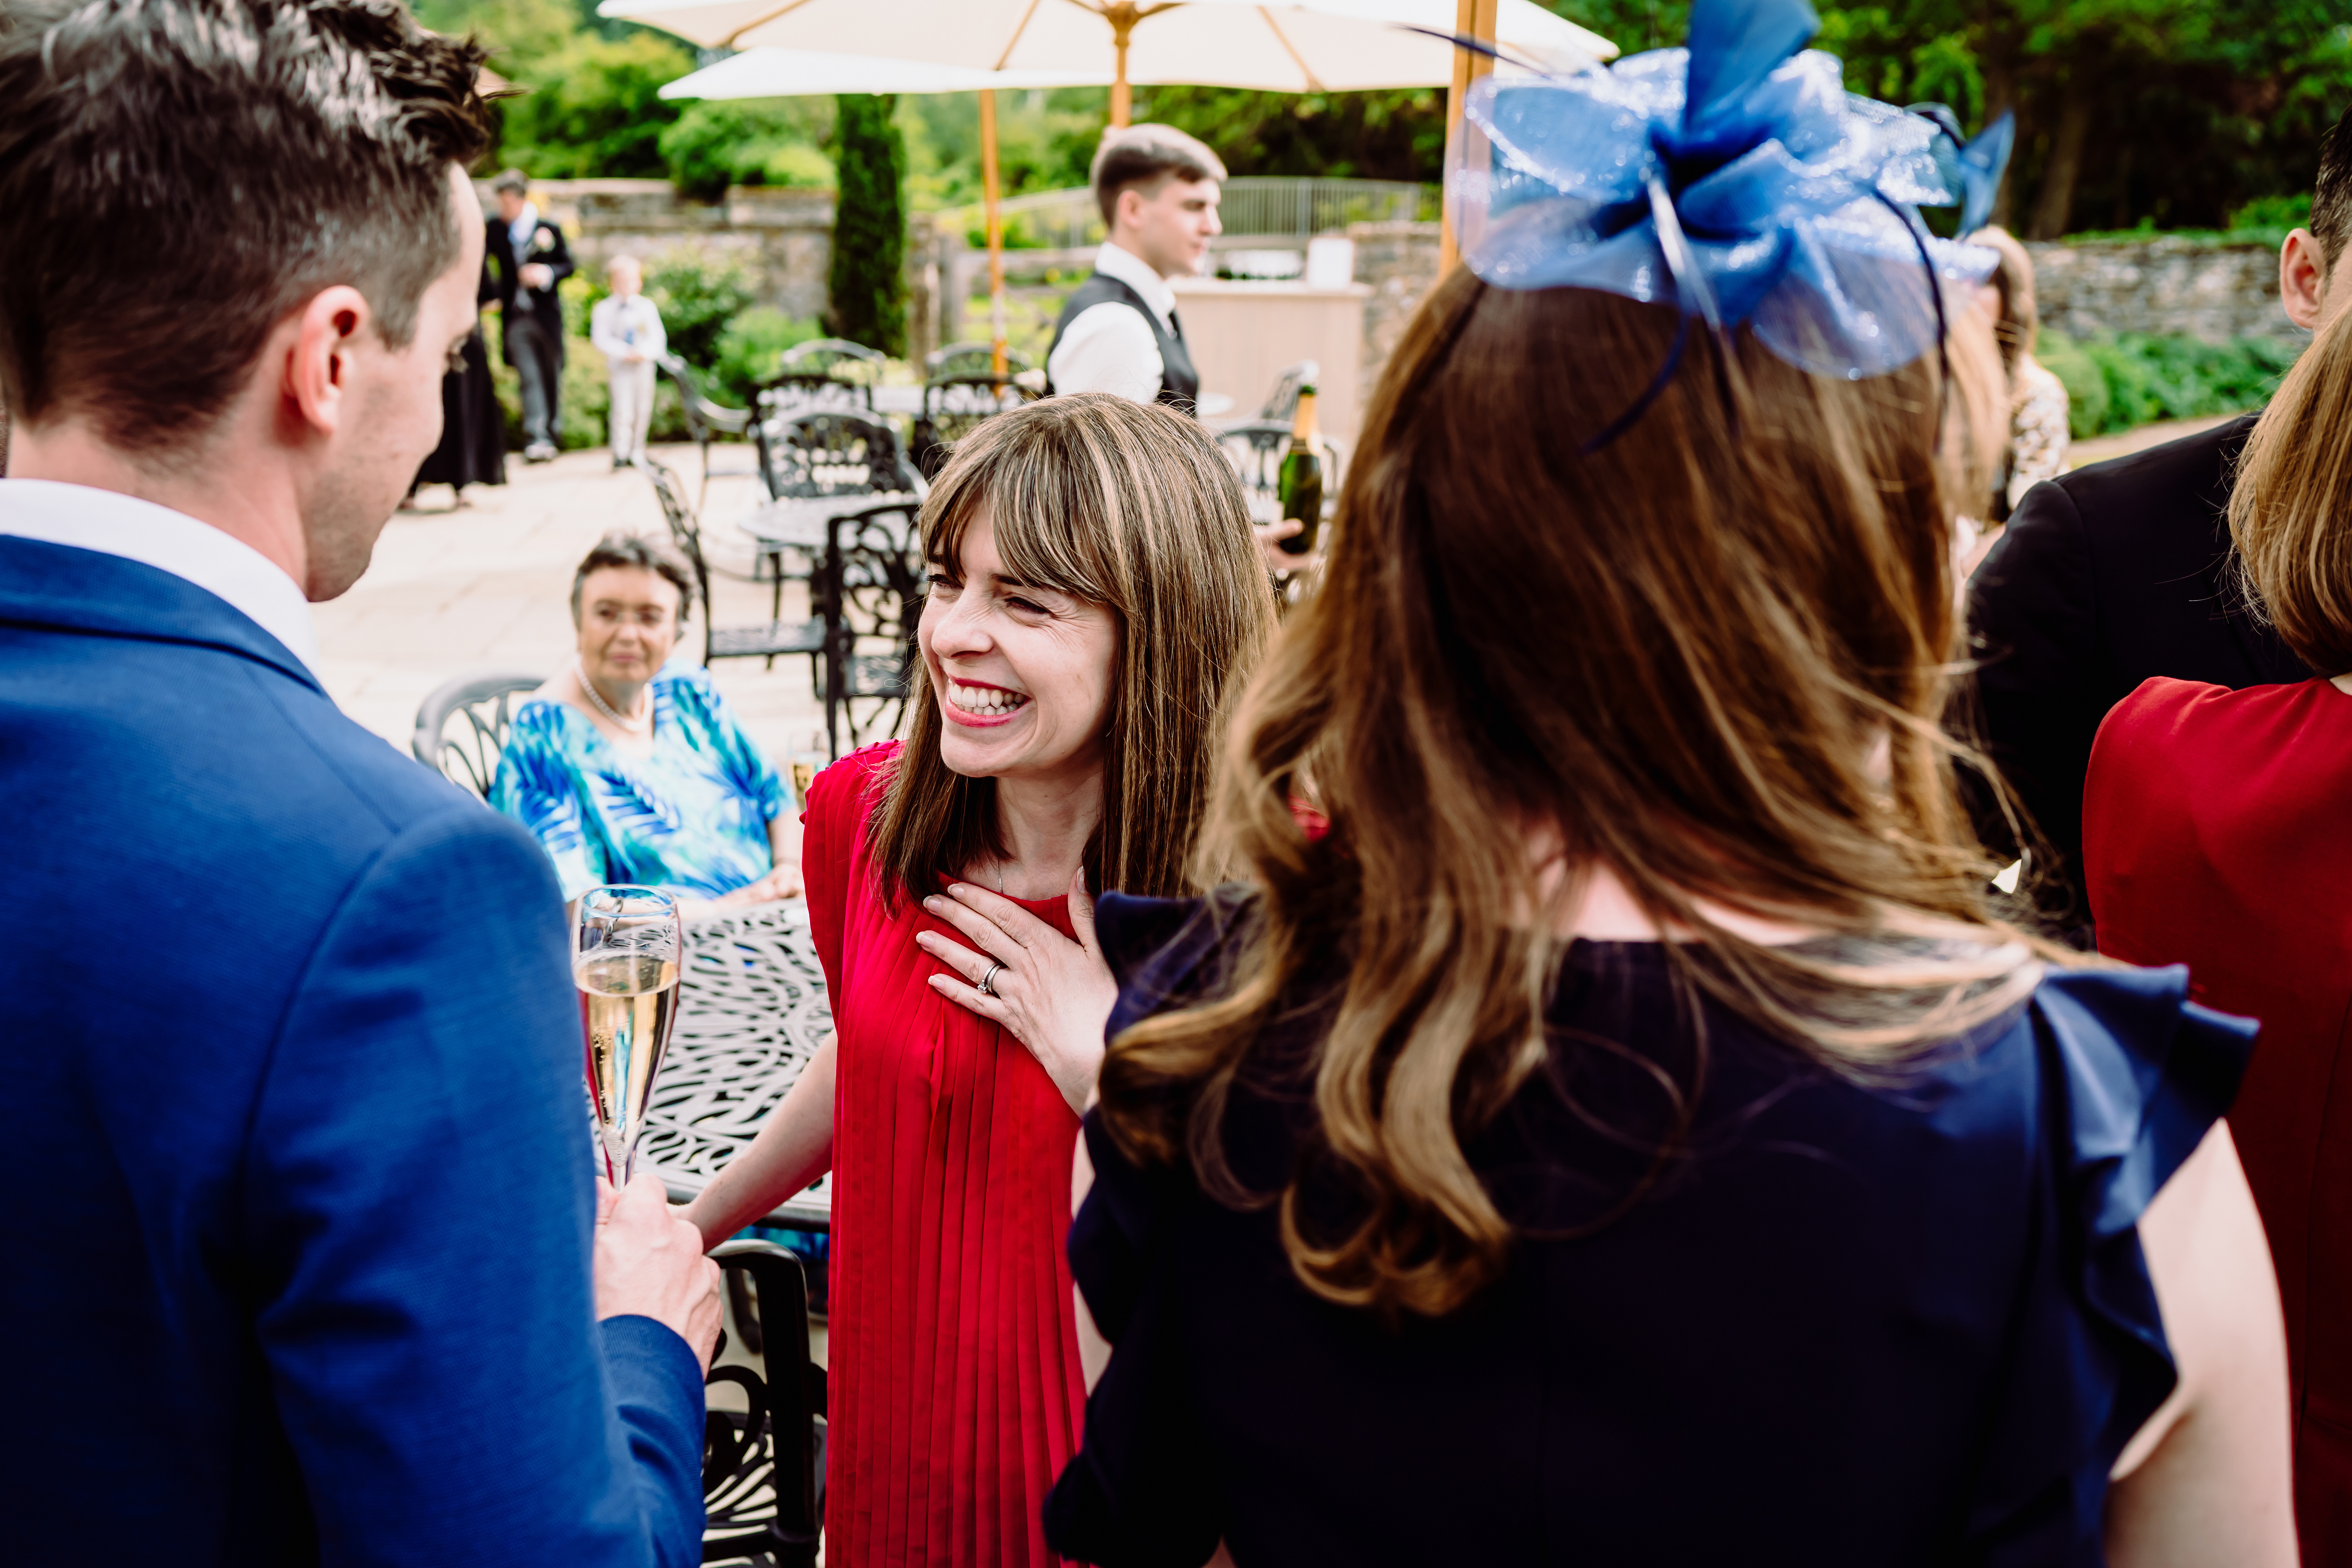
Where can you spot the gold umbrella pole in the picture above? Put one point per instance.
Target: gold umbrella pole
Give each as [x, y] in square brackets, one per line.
[996, 225]
[1475, 19]
[1122, 99]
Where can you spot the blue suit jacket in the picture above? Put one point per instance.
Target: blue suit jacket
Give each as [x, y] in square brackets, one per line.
[296, 1267]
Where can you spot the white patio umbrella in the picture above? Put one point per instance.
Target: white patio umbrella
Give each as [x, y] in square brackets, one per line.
[794, 73]
[798, 73]
[1322, 45]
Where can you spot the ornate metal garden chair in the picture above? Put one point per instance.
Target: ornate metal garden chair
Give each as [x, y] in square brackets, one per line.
[469, 757]
[972, 359]
[954, 406]
[763, 1465]
[707, 421]
[764, 640]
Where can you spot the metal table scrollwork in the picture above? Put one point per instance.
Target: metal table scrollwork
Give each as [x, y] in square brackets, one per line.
[751, 1012]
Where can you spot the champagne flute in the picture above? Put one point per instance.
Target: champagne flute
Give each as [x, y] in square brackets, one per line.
[808, 761]
[628, 948]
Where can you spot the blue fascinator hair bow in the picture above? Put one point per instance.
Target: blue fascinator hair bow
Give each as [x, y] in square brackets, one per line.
[1736, 179]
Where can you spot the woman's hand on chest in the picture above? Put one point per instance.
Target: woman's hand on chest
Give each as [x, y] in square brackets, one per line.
[1052, 993]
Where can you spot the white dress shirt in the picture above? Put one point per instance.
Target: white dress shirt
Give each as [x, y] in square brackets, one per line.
[618, 326]
[1108, 348]
[197, 552]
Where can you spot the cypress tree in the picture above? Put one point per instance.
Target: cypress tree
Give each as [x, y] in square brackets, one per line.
[868, 285]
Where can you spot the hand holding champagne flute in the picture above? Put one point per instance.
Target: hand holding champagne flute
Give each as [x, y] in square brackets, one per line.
[627, 950]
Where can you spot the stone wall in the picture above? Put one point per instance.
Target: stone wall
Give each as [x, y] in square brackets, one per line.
[783, 239]
[2212, 292]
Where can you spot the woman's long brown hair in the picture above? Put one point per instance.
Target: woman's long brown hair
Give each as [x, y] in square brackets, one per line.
[2288, 504]
[1708, 655]
[1129, 506]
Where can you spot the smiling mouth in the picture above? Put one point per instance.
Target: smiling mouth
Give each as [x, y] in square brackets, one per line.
[985, 701]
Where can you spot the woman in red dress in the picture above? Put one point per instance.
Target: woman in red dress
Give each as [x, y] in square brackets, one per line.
[2217, 834]
[1095, 595]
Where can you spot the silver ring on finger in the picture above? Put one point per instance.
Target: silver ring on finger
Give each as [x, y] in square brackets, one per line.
[987, 986]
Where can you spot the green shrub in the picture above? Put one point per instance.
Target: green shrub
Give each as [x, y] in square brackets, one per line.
[2115, 383]
[2273, 212]
[743, 142]
[796, 164]
[868, 286]
[749, 348]
[698, 293]
[594, 108]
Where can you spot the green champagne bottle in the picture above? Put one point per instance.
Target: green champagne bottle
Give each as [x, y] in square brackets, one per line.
[1300, 488]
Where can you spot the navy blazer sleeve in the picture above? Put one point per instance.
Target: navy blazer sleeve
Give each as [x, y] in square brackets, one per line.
[423, 1297]
[2043, 680]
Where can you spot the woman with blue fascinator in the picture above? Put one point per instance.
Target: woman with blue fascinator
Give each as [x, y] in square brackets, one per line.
[1625, 1134]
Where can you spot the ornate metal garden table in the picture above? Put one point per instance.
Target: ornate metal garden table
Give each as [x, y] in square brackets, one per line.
[751, 1012]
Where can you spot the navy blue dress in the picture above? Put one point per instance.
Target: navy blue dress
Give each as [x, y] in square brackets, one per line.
[1901, 1324]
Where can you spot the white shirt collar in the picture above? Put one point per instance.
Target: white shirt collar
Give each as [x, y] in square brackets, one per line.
[519, 231]
[1115, 262]
[116, 524]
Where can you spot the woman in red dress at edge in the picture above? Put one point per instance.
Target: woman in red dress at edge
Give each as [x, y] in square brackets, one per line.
[1095, 595]
[2217, 834]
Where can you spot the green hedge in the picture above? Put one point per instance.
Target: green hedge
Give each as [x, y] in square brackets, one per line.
[2115, 383]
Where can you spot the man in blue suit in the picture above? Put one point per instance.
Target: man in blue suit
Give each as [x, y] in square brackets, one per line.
[312, 1268]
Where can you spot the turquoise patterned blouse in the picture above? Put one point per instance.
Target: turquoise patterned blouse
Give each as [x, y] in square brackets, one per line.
[693, 816]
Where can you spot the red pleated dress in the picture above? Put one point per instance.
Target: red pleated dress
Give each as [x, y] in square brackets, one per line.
[955, 1390]
[2216, 834]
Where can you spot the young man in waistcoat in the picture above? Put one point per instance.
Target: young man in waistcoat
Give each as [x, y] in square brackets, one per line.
[1118, 332]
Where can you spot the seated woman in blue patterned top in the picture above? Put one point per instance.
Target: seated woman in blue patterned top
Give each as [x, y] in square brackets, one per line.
[630, 771]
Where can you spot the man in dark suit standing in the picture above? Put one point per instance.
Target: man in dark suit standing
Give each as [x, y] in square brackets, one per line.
[2118, 571]
[528, 255]
[315, 1271]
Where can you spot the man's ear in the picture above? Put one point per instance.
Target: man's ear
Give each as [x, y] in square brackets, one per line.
[1129, 208]
[318, 371]
[2303, 280]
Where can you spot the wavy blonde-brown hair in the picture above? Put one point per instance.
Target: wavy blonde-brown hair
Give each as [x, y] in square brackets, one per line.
[1709, 654]
[2289, 502]
[1129, 506]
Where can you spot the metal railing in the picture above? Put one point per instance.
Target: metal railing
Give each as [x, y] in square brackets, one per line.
[1069, 219]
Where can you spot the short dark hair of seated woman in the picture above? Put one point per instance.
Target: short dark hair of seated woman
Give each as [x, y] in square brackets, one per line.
[631, 769]
[1625, 1135]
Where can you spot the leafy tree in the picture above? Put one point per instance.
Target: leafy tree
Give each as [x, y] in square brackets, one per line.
[1397, 134]
[594, 107]
[869, 226]
[2179, 111]
[749, 142]
[1045, 139]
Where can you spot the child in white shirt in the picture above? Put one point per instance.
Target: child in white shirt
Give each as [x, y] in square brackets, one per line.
[626, 327]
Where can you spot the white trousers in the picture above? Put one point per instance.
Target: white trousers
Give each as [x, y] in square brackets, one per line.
[633, 407]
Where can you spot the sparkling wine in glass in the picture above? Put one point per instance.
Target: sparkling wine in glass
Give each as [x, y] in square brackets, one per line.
[627, 950]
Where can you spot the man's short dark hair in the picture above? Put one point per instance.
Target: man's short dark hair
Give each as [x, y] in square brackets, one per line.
[513, 180]
[1147, 155]
[177, 175]
[635, 550]
[2331, 194]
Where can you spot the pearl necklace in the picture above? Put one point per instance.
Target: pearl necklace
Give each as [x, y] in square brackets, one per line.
[634, 726]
